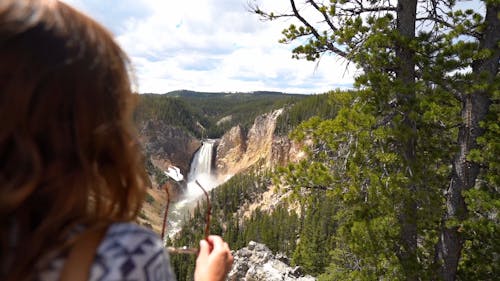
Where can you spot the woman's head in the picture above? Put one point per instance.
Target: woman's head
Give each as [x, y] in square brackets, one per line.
[65, 124]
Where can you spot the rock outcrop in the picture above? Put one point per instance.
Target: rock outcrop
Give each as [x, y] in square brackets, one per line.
[284, 150]
[260, 135]
[167, 145]
[237, 151]
[230, 149]
[257, 263]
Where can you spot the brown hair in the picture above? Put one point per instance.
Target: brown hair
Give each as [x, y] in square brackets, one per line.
[68, 153]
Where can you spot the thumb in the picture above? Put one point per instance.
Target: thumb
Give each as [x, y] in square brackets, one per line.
[204, 249]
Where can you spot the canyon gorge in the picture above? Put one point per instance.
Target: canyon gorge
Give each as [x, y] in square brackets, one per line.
[236, 151]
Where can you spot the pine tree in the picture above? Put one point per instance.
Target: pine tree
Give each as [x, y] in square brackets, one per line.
[380, 155]
[476, 95]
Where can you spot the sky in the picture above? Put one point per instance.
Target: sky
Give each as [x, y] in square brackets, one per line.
[212, 46]
[216, 46]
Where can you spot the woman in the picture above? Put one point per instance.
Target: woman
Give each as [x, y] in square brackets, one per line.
[69, 159]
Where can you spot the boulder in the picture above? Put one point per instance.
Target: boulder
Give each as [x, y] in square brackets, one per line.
[257, 263]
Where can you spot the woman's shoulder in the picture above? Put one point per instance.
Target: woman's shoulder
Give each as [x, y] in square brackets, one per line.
[129, 235]
[127, 252]
[131, 252]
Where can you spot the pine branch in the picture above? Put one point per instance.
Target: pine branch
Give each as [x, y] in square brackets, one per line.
[325, 15]
[315, 32]
[439, 20]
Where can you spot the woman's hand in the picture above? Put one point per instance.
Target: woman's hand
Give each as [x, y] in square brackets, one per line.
[214, 260]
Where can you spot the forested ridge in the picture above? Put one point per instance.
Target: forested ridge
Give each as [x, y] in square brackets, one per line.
[199, 113]
[406, 167]
[321, 106]
[174, 112]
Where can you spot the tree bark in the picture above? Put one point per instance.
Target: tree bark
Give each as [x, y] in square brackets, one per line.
[405, 73]
[475, 107]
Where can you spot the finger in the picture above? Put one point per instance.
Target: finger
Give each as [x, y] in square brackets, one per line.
[215, 239]
[216, 242]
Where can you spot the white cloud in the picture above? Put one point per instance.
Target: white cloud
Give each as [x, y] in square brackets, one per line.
[211, 45]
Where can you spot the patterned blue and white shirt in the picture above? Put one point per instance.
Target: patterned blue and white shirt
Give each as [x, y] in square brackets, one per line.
[127, 252]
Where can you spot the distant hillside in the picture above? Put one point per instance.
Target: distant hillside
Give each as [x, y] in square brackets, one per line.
[322, 105]
[207, 114]
[174, 112]
[194, 94]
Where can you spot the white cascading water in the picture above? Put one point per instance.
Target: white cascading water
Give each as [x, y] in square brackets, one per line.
[202, 160]
[201, 171]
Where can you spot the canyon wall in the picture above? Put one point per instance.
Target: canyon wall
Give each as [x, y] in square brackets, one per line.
[238, 151]
[168, 145]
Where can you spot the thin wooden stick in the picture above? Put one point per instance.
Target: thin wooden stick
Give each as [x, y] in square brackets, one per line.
[208, 213]
[185, 249]
[182, 250]
[166, 214]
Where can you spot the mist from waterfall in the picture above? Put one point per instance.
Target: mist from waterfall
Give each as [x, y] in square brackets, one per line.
[201, 171]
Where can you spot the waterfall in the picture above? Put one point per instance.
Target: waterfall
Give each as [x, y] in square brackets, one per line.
[202, 161]
[201, 171]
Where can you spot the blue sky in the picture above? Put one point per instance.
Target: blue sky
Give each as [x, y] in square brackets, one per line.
[215, 45]
[211, 45]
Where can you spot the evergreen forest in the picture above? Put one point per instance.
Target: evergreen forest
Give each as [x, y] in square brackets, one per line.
[200, 113]
[402, 176]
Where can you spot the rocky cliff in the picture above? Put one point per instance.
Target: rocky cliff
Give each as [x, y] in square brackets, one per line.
[168, 145]
[164, 145]
[237, 151]
[257, 263]
[230, 150]
[284, 150]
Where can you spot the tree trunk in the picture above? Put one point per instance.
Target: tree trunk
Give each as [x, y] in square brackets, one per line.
[406, 18]
[475, 107]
